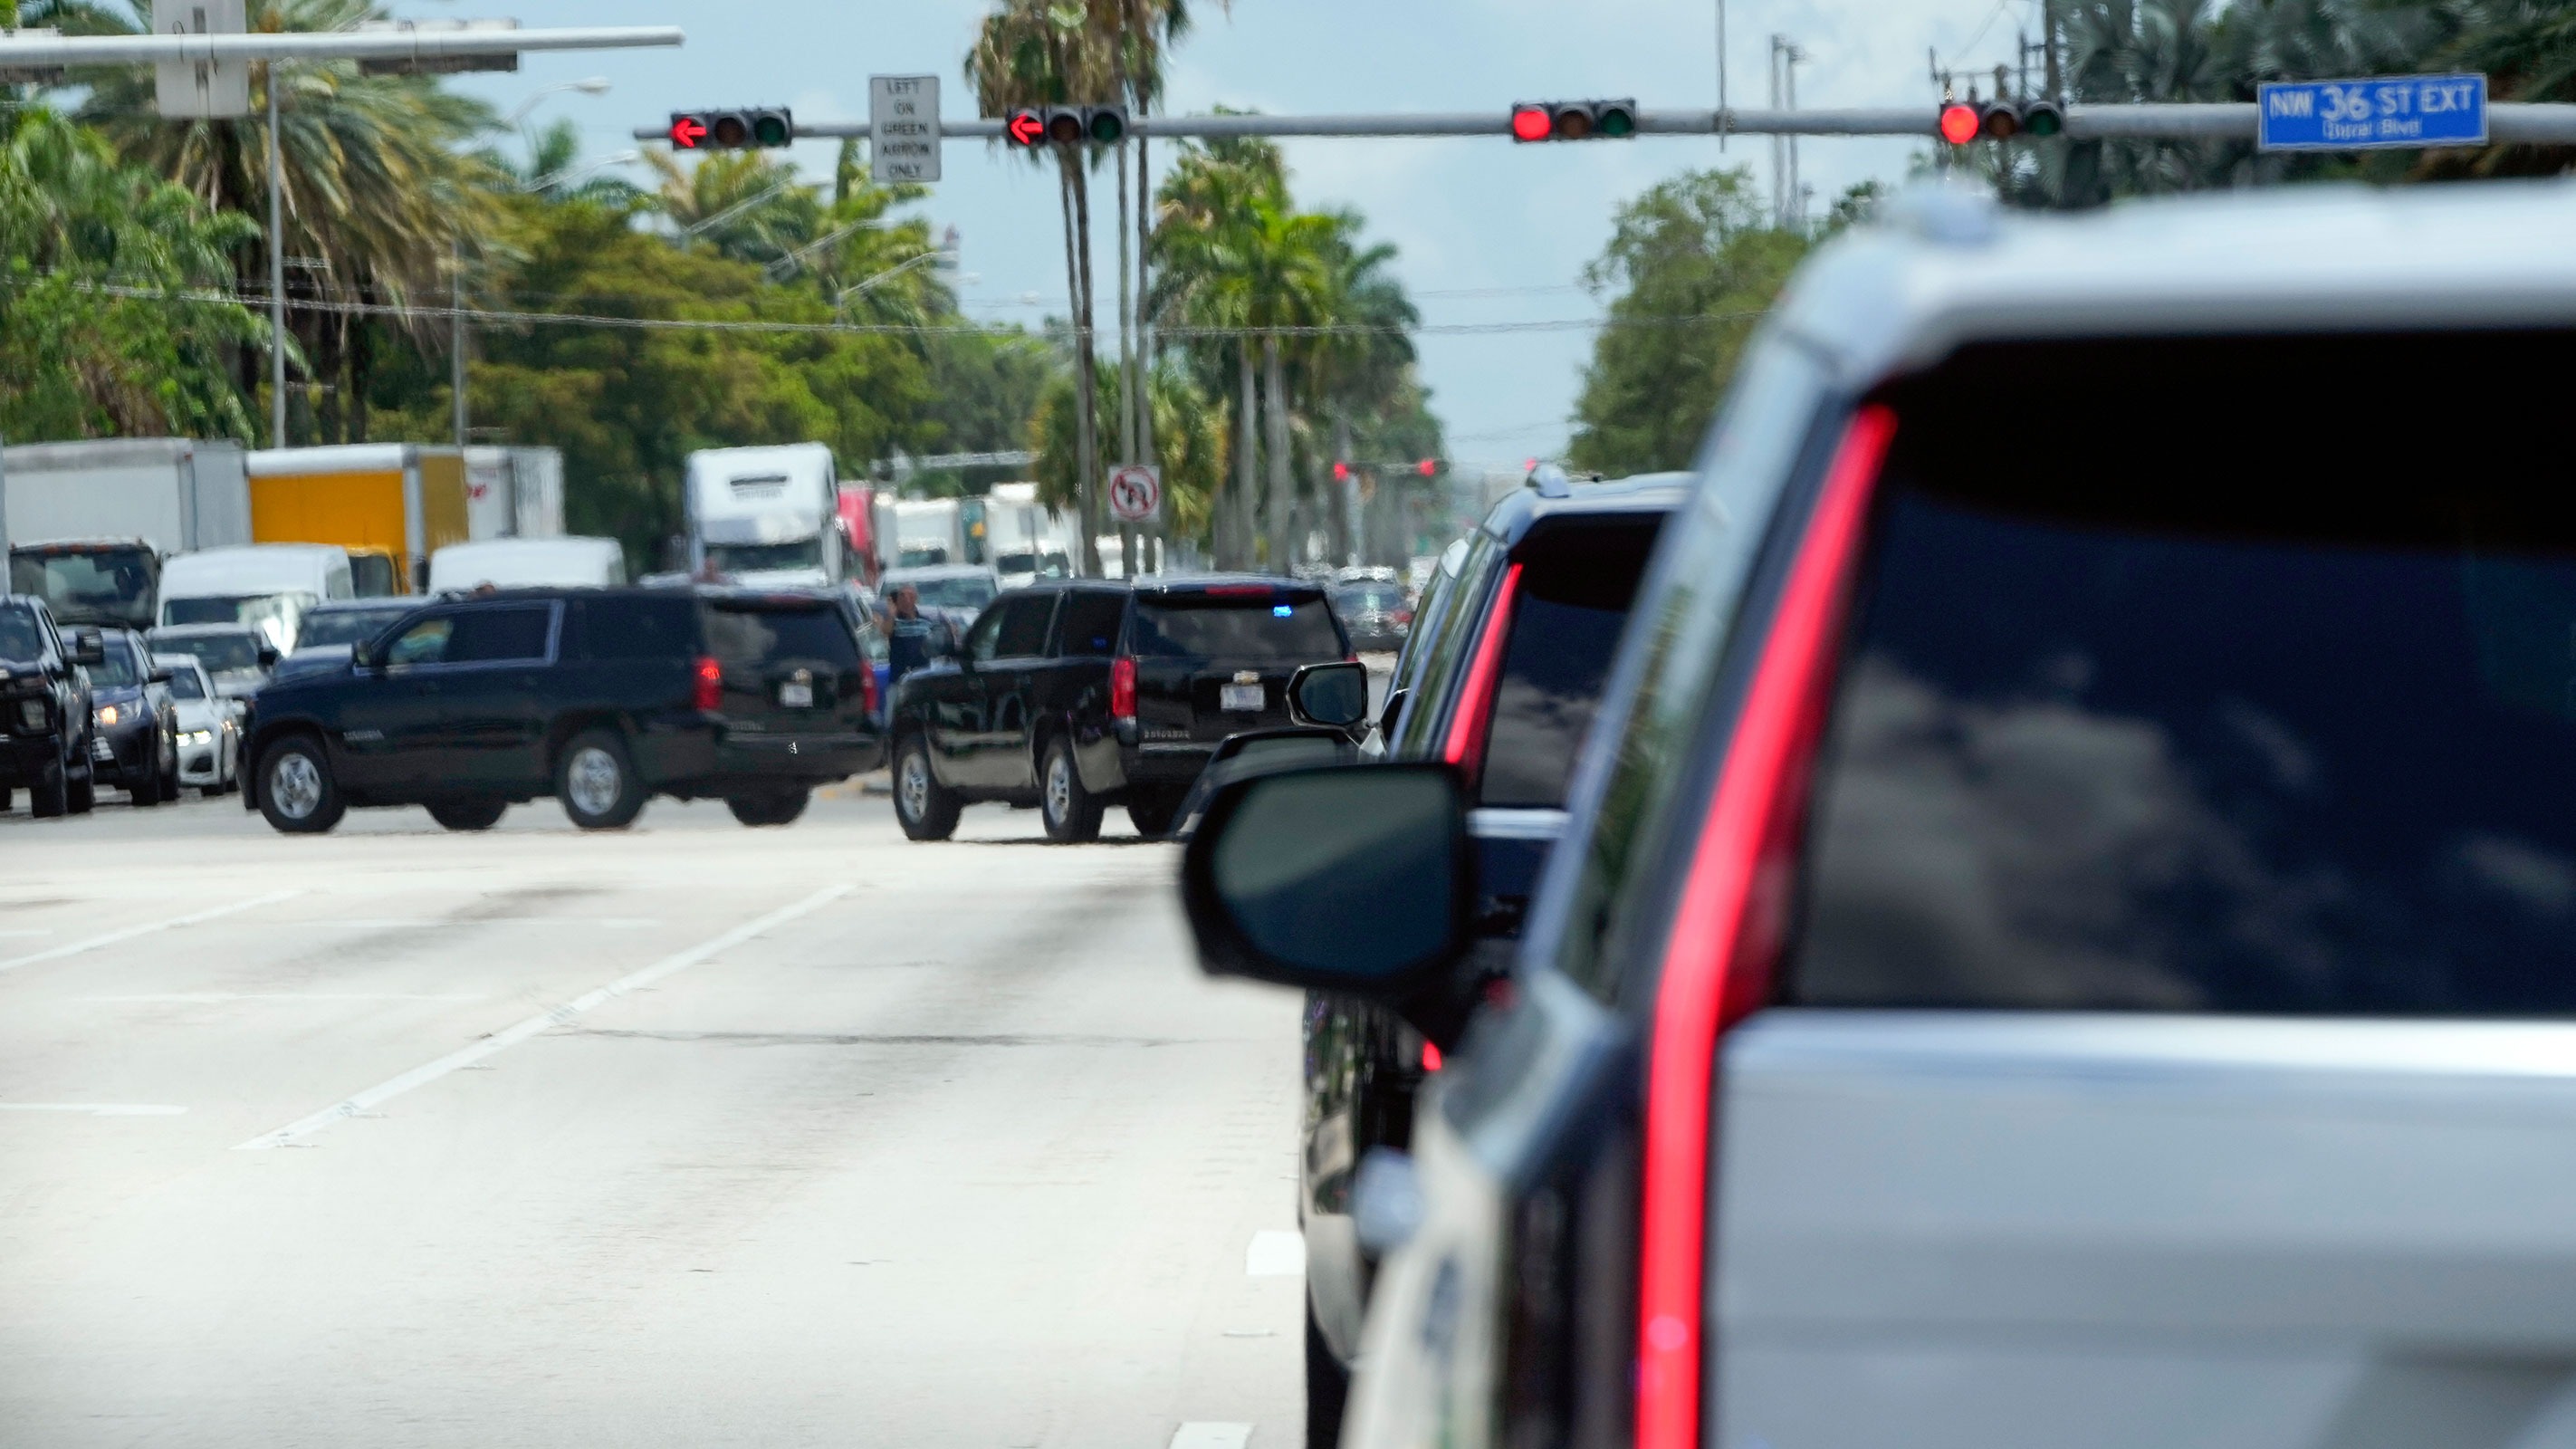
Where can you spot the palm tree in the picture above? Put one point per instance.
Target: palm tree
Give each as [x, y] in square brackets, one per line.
[745, 205]
[1202, 286]
[379, 194]
[554, 172]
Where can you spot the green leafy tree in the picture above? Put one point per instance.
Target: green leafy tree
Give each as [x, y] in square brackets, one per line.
[104, 330]
[1691, 266]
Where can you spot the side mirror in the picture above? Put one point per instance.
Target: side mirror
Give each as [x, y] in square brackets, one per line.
[1357, 879]
[268, 656]
[88, 647]
[157, 676]
[1332, 695]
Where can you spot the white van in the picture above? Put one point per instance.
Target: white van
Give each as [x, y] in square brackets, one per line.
[767, 517]
[268, 585]
[519, 563]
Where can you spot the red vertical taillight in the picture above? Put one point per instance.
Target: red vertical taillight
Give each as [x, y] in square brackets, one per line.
[710, 682]
[1733, 913]
[868, 687]
[1122, 688]
[1466, 744]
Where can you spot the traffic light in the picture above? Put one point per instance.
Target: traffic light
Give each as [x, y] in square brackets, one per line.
[1974, 120]
[732, 130]
[1573, 120]
[1033, 126]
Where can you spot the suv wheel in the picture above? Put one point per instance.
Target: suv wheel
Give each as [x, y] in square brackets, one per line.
[775, 809]
[1152, 811]
[147, 790]
[170, 768]
[596, 781]
[1328, 1388]
[296, 791]
[1072, 813]
[468, 813]
[80, 791]
[926, 809]
[50, 795]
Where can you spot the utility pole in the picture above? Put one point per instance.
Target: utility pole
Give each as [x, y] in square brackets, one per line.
[276, 278]
[456, 335]
[1721, 75]
[1126, 363]
[2048, 38]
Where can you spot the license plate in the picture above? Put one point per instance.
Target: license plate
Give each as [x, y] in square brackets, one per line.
[1245, 697]
[796, 696]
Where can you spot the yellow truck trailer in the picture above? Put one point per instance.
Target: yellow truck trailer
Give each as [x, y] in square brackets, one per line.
[397, 503]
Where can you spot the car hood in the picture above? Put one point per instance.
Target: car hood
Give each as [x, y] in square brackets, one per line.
[199, 714]
[115, 694]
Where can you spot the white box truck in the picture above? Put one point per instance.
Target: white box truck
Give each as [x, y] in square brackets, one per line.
[513, 493]
[88, 523]
[767, 517]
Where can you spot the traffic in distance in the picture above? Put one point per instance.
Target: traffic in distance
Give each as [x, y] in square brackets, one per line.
[1969, 916]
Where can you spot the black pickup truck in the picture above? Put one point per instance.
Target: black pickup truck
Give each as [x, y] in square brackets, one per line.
[45, 733]
[1075, 696]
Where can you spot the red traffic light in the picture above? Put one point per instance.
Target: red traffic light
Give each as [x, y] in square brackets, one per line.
[1341, 472]
[1532, 123]
[1025, 128]
[1427, 467]
[687, 132]
[1960, 123]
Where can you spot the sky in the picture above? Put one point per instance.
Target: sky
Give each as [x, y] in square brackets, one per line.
[1486, 231]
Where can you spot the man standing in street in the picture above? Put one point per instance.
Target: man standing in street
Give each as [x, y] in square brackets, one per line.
[907, 635]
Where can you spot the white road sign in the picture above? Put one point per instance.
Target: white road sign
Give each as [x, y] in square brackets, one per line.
[1135, 493]
[200, 90]
[903, 126]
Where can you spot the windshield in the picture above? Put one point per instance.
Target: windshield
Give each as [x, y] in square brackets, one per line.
[755, 558]
[219, 653]
[969, 592]
[118, 668]
[112, 587]
[1368, 599]
[184, 685]
[1254, 625]
[22, 638]
[344, 626]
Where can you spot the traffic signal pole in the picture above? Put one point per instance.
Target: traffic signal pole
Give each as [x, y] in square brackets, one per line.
[2512, 122]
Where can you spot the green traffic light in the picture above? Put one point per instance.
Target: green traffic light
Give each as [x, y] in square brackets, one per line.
[771, 131]
[2042, 119]
[1617, 123]
[1108, 128]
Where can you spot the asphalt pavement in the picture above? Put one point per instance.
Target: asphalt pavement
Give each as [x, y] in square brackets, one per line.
[688, 1135]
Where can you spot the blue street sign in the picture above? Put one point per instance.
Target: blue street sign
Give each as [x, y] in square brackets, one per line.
[2350, 115]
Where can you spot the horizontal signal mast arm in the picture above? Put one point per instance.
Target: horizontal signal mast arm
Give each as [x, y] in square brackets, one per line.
[42, 51]
[2512, 121]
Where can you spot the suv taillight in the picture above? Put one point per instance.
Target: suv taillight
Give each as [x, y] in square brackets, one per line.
[710, 678]
[1122, 688]
[868, 687]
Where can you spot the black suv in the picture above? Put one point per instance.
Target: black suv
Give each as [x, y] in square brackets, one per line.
[45, 733]
[601, 698]
[1071, 697]
[134, 744]
[1501, 682]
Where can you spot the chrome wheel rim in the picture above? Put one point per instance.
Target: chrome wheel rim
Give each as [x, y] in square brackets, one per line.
[295, 784]
[1059, 787]
[593, 780]
[915, 785]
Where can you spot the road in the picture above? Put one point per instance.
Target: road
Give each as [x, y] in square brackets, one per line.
[692, 1135]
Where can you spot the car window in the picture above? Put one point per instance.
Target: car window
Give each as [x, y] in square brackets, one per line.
[2115, 734]
[344, 626]
[1577, 582]
[424, 642]
[21, 638]
[760, 636]
[1023, 631]
[120, 667]
[512, 633]
[631, 628]
[186, 684]
[1091, 620]
[1252, 624]
[1438, 654]
[967, 591]
[219, 653]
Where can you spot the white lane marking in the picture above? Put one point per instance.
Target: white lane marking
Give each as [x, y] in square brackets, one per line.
[17, 935]
[95, 1109]
[414, 923]
[203, 997]
[1275, 1253]
[1211, 1436]
[130, 932]
[509, 1037]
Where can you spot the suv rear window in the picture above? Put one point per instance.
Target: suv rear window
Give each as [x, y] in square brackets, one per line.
[1577, 581]
[2274, 719]
[1247, 625]
[757, 635]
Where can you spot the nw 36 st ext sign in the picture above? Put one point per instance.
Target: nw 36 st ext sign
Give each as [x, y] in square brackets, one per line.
[2390, 111]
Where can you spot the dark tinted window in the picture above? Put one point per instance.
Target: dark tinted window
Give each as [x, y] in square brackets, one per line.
[1091, 619]
[2282, 720]
[817, 635]
[344, 626]
[631, 628]
[1023, 630]
[501, 633]
[122, 666]
[1250, 625]
[184, 685]
[21, 637]
[219, 653]
[1577, 581]
[1436, 656]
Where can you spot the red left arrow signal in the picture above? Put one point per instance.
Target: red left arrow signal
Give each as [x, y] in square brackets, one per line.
[687, 132]
[1027, 128]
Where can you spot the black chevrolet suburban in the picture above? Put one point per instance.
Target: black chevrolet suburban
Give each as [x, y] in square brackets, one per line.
[601, 698]
[1072, 697]
[45, 735]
